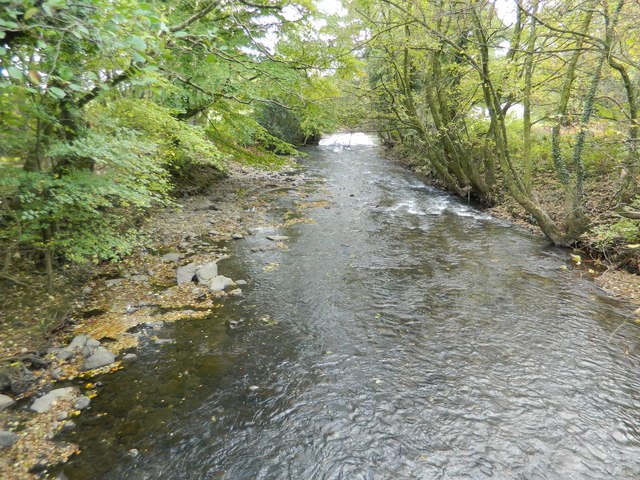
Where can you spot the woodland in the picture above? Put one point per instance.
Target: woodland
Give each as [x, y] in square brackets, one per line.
[110, 108]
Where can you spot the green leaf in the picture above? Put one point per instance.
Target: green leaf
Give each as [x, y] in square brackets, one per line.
[137, 43]
[30, 13]
[65, 72]
[180, 34]
[57, 92]
[138, 58]
[15, 73]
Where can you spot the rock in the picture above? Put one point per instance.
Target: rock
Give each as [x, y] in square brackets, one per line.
[129, 357]
[219, 283]
[15, 377]
[63, 416]
[189, 236]
[87, 351]
[78, 342]
[5, 402]
[183, 245]
[8, 439]
[277, 238]
[137, 279]
[133, 452]
[82, 402]
[171, 257]
[69, 425]
[236, 292]
[237, 236]
[33, 360]
[5, 383]
[44, 403]
[60, 353]
[207, 273]
[100, 358]
[186, 273]
[92, 343]
[87, 290]
[164, 341]
[114, 282]
[241, 282]
[132, 309]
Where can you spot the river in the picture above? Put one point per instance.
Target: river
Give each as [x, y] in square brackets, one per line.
[402, 335]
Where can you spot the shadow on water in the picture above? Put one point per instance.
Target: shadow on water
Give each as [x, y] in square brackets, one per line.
[404, 334]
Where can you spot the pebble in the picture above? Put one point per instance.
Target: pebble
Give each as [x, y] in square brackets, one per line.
[237, 236]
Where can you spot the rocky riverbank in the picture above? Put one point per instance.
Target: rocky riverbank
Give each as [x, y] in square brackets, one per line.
[46, 379]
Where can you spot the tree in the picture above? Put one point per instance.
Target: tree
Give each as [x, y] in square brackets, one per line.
[103, 100]
[443, 81]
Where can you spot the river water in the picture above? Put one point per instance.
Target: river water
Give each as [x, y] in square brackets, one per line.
[403, 335]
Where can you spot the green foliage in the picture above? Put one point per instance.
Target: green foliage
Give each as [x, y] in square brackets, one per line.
[76, 213]
[105, 103]
[179, 143]
[624, 231]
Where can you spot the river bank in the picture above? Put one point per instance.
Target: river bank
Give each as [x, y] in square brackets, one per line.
[111, 307]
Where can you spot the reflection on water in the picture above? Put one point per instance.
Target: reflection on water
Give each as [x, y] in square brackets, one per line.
[403, 335]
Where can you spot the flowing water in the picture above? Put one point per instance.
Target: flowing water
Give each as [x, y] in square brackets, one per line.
[403, 335]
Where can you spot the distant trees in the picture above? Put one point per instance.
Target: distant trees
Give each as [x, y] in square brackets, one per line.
[446, 75]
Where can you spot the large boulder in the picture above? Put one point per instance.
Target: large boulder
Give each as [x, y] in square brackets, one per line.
[186, 273]
[100, 358]
[207, 273]
[44, 403]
